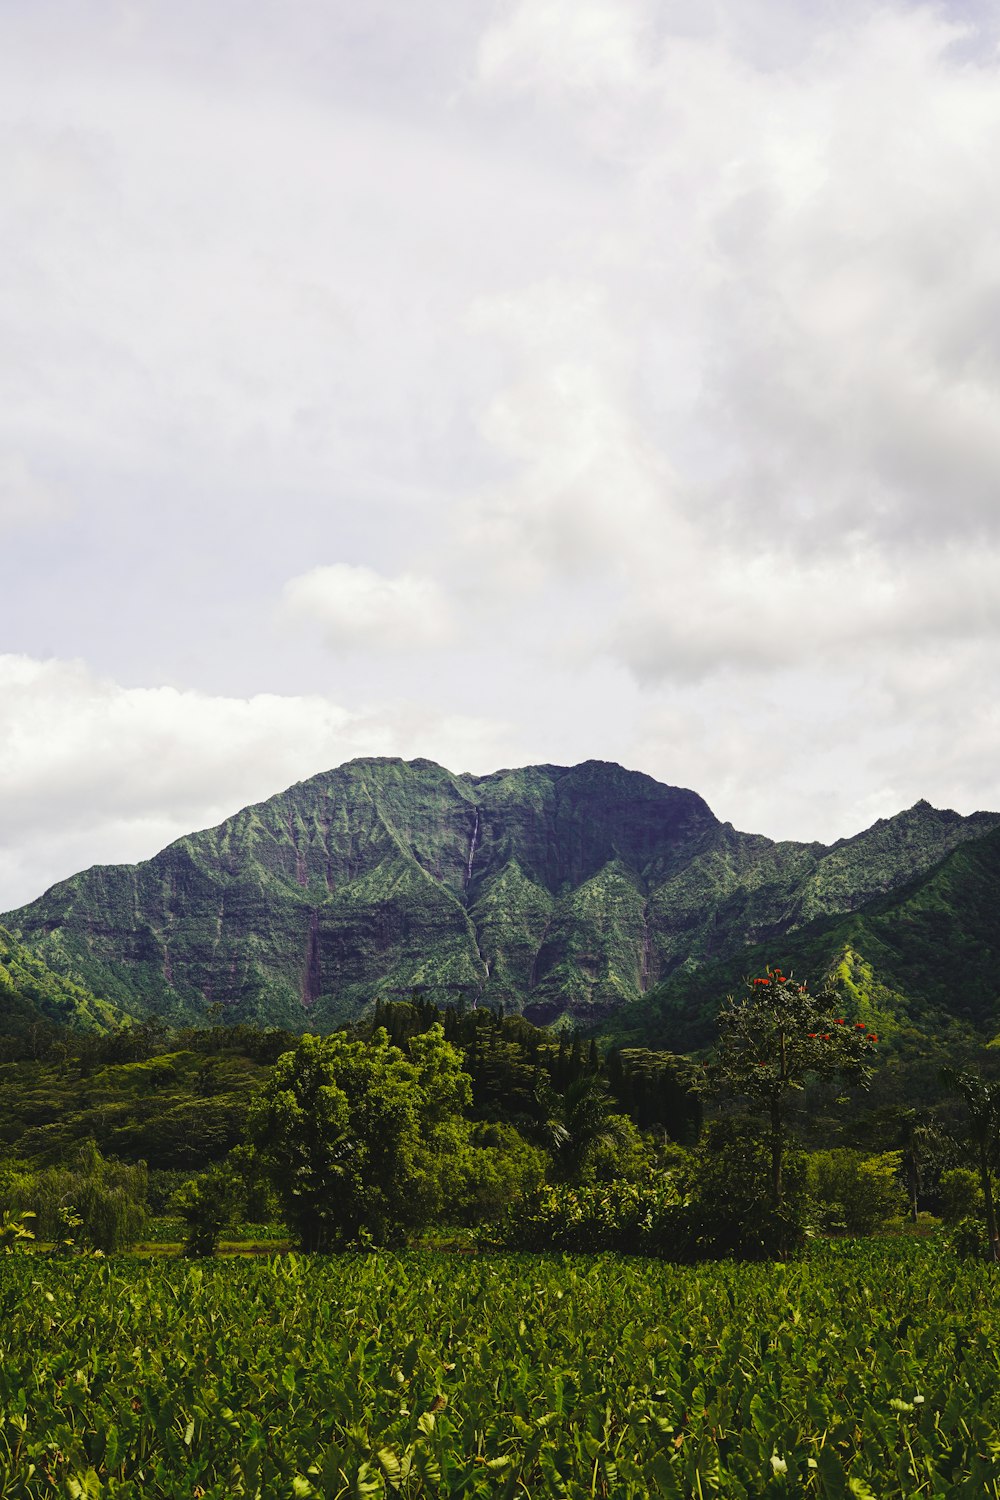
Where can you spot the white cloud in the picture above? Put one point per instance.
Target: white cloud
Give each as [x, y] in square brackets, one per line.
[25, 498]
[94, 771]
[572, 46]
[663, 335]
[765, 408]
[357, 607]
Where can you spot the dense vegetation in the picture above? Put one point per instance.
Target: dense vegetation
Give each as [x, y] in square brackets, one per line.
[433, 1120]
[920, 963]
[857, 1372]
[34, 999]
[827, 1369]
[563, 892]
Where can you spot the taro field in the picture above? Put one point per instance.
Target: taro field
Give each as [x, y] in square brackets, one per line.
[867, 1370]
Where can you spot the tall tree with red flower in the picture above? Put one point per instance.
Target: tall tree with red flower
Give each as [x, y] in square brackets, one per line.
[772, 1039]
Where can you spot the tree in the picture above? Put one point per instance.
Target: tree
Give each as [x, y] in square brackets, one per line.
[359, 1138]
[574, 1124]
[982, 1101]
[207, 1204]
[921, 1143]
[90, 1200]
[771, 1040]
[856, 1193]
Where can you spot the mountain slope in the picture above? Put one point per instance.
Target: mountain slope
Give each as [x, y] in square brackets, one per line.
[924, 957]
[562, 890]
[31, 994]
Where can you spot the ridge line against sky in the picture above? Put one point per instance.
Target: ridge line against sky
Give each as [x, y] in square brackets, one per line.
[507, 383]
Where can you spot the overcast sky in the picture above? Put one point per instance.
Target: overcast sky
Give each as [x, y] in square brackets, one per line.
[499, 381]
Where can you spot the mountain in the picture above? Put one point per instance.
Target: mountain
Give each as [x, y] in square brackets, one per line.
[563, 891]
[32, 996]
[920, 962]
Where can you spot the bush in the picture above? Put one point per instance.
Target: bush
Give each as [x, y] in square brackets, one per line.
[499, 1168]
[622, 1217]
[208, 1204]
[969, 1240]
[729, 1210]
[854, 1193]
[15, 1232]
[626, 1158]
[960, 1195]
[90, 1201]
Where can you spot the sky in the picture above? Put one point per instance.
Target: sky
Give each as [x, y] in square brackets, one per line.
[501, 382]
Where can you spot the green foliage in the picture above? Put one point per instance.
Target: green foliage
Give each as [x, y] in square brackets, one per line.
[856, 1194]
[657, 1089]
[208, 1204]
[566, 890]
[498, 1168]
[858, 1370]
[625, 1217]
[359, 1139]
[15, 1232]
[89, 1201]
[960, 1195]
[576, 1124]
[178, 1110]
[624, 1156]
[969, 1240]
[729, 1212]
[775, 1038]
[982, 1103]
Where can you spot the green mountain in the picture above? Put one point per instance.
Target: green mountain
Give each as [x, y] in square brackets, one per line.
[562, 891]
[923, 961]
[32, 996]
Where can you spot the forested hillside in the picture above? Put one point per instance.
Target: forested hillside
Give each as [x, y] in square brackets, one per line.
[920, 962]
[562, 892]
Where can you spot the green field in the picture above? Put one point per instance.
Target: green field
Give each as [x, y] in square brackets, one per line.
[867, 1369]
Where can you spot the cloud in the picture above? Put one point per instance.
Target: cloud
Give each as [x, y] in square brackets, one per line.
[355, 607]
[91, 770]
[763, 410]
[647, 354]
[25, 498]
[565, 46]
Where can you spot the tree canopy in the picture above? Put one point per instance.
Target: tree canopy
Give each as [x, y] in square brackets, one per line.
[362, 1142]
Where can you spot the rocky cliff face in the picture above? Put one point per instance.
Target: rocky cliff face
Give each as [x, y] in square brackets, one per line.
[557, 890]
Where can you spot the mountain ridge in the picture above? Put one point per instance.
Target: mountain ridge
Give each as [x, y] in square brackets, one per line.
[563, 891]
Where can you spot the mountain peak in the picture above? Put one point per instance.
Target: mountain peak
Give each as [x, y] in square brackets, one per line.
[566, 890]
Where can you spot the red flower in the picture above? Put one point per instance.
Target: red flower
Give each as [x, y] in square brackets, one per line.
[812, 1036]
[860, 1026]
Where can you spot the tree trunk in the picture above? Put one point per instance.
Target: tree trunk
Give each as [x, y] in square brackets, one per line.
[912, 1182]
[777, 1151]
[991, 1212]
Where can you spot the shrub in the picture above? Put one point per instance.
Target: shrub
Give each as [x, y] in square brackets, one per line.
[105, 1199]
[854, 1193]
[729, 1204]
[959, 1195]
[498, 1168]
[623, 1217]
[208, 1204]
[970, 1241]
